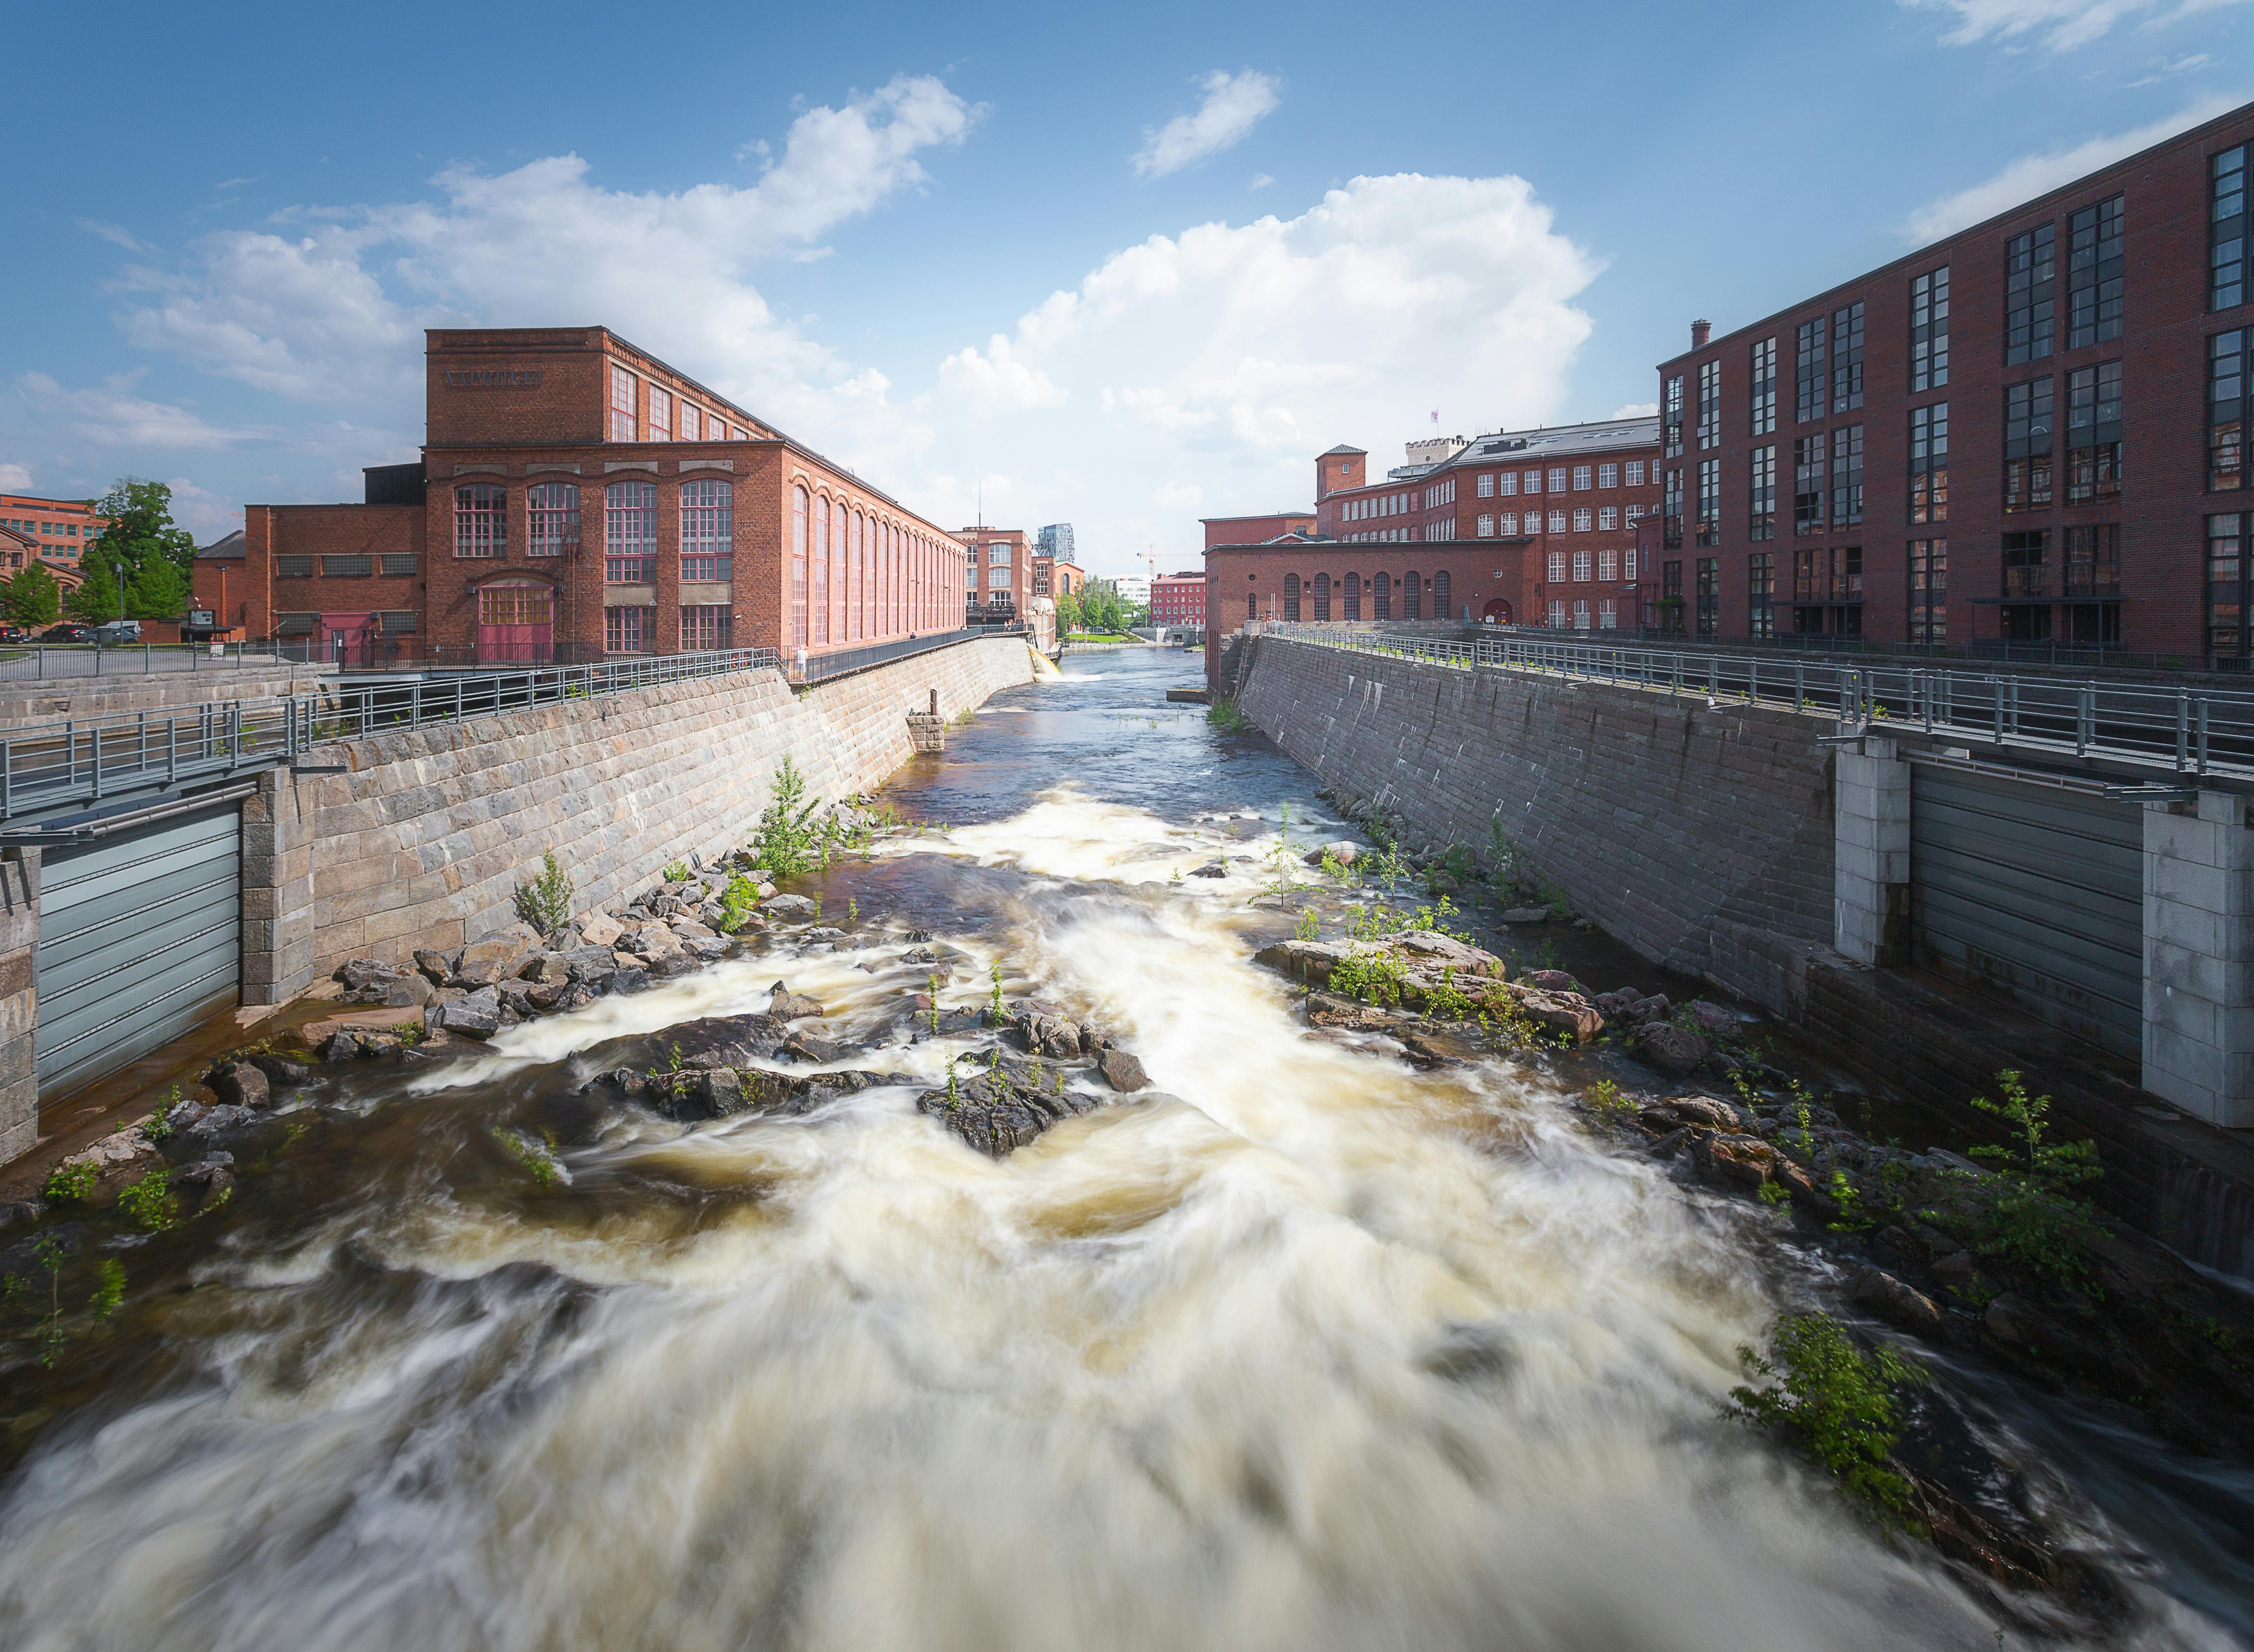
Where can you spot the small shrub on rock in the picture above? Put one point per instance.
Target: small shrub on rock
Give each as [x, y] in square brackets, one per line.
[1837, 1404]
[545, 903]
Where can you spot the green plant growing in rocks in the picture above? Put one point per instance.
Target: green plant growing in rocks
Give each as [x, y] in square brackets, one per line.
[49, 1254]
[108, 1288]
[2035, 1215]
[70, 1184]
[1850, 1199]
[737, 901]
[1370, 974]
[1308, 927]
[1334, 867]
[934, 1005]
[678, 872]
[1224, 716]
[158, 1125]
[787, 842]
[1605, 1097]
[1282, 856]
[852, 910]
[1771, 1192]
[538, 1160]
[147, 1202]
[545, 903]
[1837, 1404]
[994, 974]
[1447, 1002]
[953, 1094]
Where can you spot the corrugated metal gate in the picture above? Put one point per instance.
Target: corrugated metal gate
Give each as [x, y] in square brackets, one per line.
[140, 937]
[2035, 890]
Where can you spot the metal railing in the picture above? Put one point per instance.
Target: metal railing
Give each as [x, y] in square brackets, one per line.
[49, 766]
[36, 662]
[2187, 730]
[816, 668]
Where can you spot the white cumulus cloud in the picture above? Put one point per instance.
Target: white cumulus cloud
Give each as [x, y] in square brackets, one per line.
[112, 417]
[1635, 411]
[2031, 175]
[2057, 26]
[1232, 105]
[15, 478]
[1233, 354]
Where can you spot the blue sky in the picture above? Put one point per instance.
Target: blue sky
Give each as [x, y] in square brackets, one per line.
[1123, 268]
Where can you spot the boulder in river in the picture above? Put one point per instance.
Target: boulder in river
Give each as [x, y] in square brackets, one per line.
[239, 1084]
[1670, 1048]
[1121, 1071]
[999, 1112]
[1566, 1012]
[783, 1005]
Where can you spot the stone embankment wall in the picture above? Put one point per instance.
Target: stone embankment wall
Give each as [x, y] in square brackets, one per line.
[1701, 835]
[24, 700]
[423, 840]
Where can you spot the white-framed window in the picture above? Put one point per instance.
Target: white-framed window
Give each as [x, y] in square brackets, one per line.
[630, 533]
[708, 530]
[1558, 616]
[1628, 562]
[552, 515]
[1557, 522]
[625, 630]
[1486, 486]
[1556, 479]
[1607, 518]
[1608, 566]
[1507, 484]
[1507, 524]
[1584, 567]
[1534, 481]
[1580, 613]
[1584, 520]
[997, 578]
[480, 520]
[1487, 528]
[1607, 614]
[1608, 476]
[1557, 567]
[660, 414]
[692, 424]
[1635, 473]
[622, 404]
[1582, 477]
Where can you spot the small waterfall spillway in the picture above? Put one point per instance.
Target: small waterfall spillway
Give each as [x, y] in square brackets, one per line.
[1299, 1348]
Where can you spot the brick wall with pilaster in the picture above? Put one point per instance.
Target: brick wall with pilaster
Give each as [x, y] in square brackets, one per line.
[277, 890]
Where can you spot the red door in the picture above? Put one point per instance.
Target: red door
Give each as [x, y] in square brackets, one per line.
[344, 639]
[515, 624]
[1497, 612]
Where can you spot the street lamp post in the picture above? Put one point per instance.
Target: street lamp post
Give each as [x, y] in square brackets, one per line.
[118, 568]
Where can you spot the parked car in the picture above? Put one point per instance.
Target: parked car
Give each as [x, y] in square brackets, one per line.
[113, 633]
[67, 634]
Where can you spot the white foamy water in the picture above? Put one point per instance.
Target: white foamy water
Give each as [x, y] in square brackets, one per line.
[1309, 1352]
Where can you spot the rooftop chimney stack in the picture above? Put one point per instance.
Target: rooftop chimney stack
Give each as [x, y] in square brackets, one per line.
[1699, 332]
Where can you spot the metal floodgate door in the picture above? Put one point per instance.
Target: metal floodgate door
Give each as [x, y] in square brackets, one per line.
[140, 938]
[2035, 890]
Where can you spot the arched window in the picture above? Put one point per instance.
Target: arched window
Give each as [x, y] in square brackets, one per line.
[1412, 597]
[1350, 597]
[551, 518]
[838, 519]
[1322, 597]
[1443, 604]
[1381, 597]
[1291, 597]
[630, 533]
[1251, 605]
[480, 520]
[798, 567]
[708, 530]
[820, 570]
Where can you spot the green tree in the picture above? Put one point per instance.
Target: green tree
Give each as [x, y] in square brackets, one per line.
[96, 600]
[141, 528]
[31, 597]
[157, 590]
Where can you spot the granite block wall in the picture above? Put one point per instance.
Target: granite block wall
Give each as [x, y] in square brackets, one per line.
[422, 841]
[1699, 834]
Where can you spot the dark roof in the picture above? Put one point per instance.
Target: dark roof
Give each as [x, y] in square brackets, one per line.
[1342, 448]
[230, 549]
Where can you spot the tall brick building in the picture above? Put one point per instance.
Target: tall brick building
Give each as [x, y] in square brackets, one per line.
[577, 497]
[2032, 431]
[60, 529]
[1179, 600]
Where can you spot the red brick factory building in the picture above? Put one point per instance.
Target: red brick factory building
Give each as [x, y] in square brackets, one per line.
[1517, 527]
[1179, 600]
[2033, 430]
[576, 498]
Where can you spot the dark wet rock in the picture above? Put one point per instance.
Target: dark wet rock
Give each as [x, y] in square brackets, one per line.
[1671, 1049]
[726, 1093]
[1732, 1160]
[1561, 1011]
[997, 1113]
[576, 997]
[786, 1005]
[340, 1047]
[1716, 1021]
[788, 907]
[437, 967]
[240, 1084]
[213, 1174]
[1041, 1032]
[1429, 949]
[674, 965]
[1898, 1304]
[22, 1258]
[477, 1016]
[590, 966]
[496, 957]
[919, 955]
[220, 1121]
[1645, 1010]
[545, 967]
[1704, 1110]
[279, 1070]
[14, 1213]
[1328, 1009]
[2013, 1320]
[408, 991]
[1308, 961]
[1121, 1071]
[1550, 980]
[1430, 1046]
[358, 974]
[630, 980]
[807, 1044]
[720, 1041]
[1211, 869]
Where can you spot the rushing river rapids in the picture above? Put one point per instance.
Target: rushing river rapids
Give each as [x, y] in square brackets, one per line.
[1310, 1351]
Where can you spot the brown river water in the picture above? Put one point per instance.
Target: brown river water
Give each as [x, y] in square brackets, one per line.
[1308, 1351]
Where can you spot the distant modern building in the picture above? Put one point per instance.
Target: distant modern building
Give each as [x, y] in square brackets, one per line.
[2035, 430]
[61, 529]
[1134, 589]
[1053, 542]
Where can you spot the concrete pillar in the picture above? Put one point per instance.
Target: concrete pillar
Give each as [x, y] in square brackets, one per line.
[1870, 903]
[19, 1001]
[2199, 957]
[277, 889]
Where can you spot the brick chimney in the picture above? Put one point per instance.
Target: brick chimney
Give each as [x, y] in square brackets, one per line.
[1700, 331]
